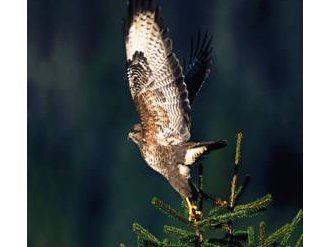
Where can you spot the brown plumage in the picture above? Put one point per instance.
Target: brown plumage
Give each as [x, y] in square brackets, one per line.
[160, 94]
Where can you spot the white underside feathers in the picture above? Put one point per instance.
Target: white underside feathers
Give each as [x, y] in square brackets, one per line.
[184, 171]
[192, 155]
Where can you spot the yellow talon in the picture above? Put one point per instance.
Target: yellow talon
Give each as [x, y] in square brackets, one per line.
[194, 213]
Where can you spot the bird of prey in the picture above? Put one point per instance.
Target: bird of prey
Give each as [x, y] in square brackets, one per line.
[163, 96]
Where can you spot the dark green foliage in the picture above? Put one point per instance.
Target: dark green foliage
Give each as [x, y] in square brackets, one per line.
[144, 236]
[222, 220]
[293, 226]
[251, 237]
[284, 233]
[167, 210]
[207, 244]
[182, 234]
[299, 241]
[277, 235]
[241, 211]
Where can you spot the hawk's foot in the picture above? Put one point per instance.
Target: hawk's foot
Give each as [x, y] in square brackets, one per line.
[193, 212]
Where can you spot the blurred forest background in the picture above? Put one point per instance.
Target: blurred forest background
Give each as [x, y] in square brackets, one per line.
[87, 183]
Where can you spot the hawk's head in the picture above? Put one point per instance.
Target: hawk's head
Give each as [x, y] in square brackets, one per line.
[136, 134]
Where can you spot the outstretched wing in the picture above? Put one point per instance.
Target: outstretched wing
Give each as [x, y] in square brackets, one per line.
[155, 76]
[199, 65]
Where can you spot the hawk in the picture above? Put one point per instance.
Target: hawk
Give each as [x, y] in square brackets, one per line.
[163, 96]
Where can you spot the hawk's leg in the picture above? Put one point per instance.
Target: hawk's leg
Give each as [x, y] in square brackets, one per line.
[194, 213]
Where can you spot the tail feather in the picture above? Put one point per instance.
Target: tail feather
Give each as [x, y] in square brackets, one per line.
[212, 145]
[197, 150]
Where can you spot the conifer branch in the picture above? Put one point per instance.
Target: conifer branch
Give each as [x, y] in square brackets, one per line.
[251, 237]
[299, 241]
[277, 235]
[180, 233]
[145, 236]
[293, 226]
[234, 177]
[174, 244]
[262, 234]
[285, 231]
[242, 188]
[167, 210]
[245, 210]
[241, 235]
[184, 236]
[238, 147]
[207, 244]
[233, 188]
[256, 206]
[140, 242]
[218, 220]
[216, 211]
[235, 173]
[225, 242]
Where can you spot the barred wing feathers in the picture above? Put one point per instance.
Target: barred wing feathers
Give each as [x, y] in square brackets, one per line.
[155, 76]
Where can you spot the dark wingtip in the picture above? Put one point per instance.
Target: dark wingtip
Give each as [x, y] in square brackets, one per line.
[220, 144]
[217, 145]
[200, 62]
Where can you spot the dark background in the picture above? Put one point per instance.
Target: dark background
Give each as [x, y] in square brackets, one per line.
[87, 183]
